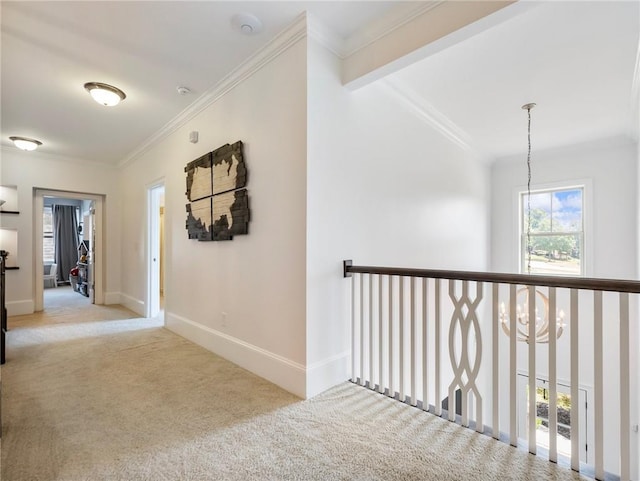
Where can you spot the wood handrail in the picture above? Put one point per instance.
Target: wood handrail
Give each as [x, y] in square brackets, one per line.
[590, 283]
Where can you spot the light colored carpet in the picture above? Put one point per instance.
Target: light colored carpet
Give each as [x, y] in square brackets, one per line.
[124, 399]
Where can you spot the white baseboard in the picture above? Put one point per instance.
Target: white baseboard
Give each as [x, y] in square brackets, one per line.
[283, 372]
[131, 303]
[325, 374]
[18, 308]
[112, 298]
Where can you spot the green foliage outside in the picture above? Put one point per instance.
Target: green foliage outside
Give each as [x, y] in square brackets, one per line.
[564, 400]
[545, 247]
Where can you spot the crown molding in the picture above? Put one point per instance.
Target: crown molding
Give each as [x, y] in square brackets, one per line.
[344, 48]
[296, 31]
[433, 117]
[390, 22]
[325, 36]
[6, 149]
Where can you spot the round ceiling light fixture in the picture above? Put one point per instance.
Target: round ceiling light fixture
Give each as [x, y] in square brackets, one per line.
[25, 143]
[246, 23]
[105, 94]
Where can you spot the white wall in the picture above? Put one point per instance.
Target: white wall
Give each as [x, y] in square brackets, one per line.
[610, 166]
[29, 170]
[258, 280]
[383, 189]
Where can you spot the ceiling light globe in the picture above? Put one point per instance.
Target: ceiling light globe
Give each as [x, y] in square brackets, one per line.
[104, 94]
[24, 143]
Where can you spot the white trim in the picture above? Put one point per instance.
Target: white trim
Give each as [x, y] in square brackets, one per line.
[432, 116]
[287, 374]
[155, 190]
[379, 28]
[112, 298]
[133, 304]
[587, 218]
[373, 71]
[389, 23]
[278, 45]
[327, 373]
[325, 37]
[18, 308]
[98, 261]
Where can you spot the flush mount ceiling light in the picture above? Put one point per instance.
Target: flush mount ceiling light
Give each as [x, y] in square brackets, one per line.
[246, 23]
[25, 143]
[105, 94]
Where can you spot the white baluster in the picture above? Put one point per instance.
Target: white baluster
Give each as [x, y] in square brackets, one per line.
[553, 378]
[425, 347]
[625, 380]
[391, 350]
[413, 368]
[380, 339]
[354, 336]
[438, 405]
[575, 386]
[401, 336]
[495, 349]
[513, 367]
[362, 338]
[533, 409]
[598, 384]
[371, 335]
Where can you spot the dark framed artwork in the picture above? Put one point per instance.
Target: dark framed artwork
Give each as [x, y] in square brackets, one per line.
[218, 206]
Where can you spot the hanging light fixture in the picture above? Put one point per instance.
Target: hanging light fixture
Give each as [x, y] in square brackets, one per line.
[25, 143]
[105, 94]
[530, 329]
[527, 329]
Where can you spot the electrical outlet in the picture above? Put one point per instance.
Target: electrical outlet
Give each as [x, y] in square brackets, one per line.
[223, 319]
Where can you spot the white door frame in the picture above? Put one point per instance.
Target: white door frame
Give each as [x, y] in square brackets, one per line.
[154, 202]
[38, 211]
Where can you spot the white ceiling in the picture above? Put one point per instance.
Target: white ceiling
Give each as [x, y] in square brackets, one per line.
[576, 60]
[50, 49]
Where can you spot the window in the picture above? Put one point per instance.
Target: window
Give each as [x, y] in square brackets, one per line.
[564, 405]
[554, 243]
[48, 249]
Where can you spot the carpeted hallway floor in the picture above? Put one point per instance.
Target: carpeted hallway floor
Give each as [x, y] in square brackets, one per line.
[94, 393]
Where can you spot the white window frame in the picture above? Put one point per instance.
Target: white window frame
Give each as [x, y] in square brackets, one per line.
[44, 233]
[586, 266]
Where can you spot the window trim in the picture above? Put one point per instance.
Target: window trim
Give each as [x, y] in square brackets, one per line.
[587, 217]
[46, 234]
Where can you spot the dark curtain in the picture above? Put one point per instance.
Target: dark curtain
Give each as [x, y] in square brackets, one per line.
[65, 239]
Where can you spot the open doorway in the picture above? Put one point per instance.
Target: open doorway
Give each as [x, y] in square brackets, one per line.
[156, 248]
[68, 246]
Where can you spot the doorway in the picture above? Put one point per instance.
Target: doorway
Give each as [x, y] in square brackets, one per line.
[86, 212]
[156, 248]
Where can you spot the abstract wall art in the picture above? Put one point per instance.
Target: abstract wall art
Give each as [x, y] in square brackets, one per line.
[218, 207]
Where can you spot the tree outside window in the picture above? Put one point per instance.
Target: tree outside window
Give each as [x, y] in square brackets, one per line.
[552, 238]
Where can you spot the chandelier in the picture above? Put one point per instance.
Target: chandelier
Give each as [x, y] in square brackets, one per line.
[539, 329]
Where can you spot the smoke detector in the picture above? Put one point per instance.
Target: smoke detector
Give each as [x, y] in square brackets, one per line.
[246, 23]
[183, 90]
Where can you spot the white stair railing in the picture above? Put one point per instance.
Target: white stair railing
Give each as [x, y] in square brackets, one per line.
[455, 343]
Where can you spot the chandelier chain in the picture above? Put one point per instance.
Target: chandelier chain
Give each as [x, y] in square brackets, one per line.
[529, 190]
